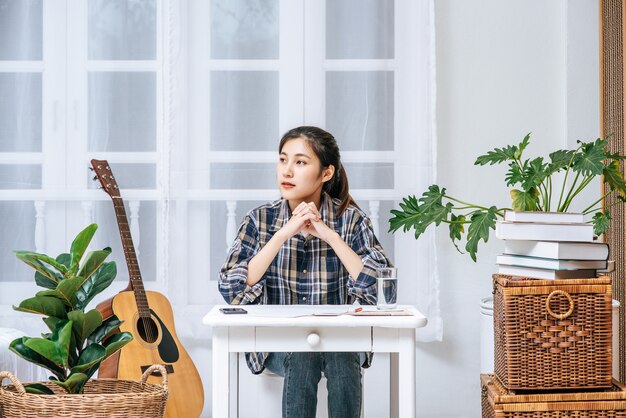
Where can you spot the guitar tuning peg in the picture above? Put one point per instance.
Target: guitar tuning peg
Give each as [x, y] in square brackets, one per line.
[91, 168]
[111, 177]
[99, 167]
[95, 177]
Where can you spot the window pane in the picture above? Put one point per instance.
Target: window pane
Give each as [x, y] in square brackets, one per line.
[219, 246]
[360, 109]
[21, 30]
[20, 112]
[244, 29]
[130, 176]
[370, 175]
[244, 110]
[17, 221]
[359, 29]
[122, 111]
[20, 176]
[243, 176]
[108, 236]
[122, 30]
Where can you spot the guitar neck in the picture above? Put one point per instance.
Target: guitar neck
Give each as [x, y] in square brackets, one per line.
[135, 282]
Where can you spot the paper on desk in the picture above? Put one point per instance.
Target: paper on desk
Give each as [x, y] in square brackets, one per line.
[295, 311]
[378, 312]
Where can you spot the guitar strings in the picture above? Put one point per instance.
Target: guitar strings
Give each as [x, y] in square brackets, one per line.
[146, 321]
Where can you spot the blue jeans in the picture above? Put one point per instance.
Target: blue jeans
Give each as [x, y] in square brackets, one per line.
[302, 373]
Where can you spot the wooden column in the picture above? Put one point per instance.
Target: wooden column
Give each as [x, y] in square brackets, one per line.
[612, 29]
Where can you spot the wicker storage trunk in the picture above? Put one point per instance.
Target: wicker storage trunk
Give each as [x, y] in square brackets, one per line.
[498, 402]
[552, 334]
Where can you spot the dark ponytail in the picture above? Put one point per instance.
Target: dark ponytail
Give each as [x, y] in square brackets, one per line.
[325, 147]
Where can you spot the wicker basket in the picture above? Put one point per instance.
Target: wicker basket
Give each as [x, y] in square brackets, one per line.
[102, 398]
[552, 334]
[498, 402]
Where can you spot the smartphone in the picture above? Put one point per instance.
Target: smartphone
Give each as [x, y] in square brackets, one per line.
[227, 311]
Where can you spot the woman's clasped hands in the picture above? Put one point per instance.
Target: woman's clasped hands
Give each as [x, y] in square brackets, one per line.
[306, 219]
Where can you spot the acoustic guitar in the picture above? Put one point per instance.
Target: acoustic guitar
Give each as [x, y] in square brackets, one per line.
[148, 316]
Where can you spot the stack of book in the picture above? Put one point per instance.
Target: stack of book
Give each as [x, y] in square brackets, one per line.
[550, 245]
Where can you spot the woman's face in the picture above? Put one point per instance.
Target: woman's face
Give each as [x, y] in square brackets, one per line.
[298, 172]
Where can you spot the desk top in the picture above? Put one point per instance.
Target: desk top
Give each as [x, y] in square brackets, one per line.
[311, 315]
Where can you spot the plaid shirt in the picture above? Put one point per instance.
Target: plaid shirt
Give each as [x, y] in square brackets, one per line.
[305, 270]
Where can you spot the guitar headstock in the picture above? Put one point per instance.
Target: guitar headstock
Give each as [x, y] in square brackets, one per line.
[105, 176]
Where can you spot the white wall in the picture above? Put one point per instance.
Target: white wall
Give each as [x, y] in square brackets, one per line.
[504, 68]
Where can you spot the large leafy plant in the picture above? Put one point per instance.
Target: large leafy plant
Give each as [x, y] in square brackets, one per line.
[78, 341]
[534, 189]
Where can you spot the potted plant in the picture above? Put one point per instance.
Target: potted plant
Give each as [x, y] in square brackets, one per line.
[78, 340]
[535, 188]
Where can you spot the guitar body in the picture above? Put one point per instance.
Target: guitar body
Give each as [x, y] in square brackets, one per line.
[155, 342]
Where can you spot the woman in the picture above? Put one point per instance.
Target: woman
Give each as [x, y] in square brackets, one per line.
[312, 246]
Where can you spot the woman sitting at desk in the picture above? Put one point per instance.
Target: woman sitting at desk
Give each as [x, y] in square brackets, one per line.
[313, 246]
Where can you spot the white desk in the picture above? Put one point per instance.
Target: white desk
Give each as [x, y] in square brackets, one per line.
[287, 328]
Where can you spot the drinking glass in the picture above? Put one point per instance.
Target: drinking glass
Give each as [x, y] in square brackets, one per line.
[387, 287]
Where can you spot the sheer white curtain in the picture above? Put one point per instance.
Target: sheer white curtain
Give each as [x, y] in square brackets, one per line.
[242, 72]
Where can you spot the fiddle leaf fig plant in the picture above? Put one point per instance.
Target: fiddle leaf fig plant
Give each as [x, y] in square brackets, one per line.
[78, 340]
[534, 187]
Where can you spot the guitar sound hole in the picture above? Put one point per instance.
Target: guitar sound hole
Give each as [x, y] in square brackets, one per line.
[147, 329]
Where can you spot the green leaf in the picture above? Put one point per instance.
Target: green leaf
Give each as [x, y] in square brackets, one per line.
[79, 246]
[116, 341]
[481, 223]
[56, 349]
[560, 160]
[51, 322]
[108, 326]
[457, 229]
[28, 258]
[65, 291]
[73, 384]
[83, 324]
[522, 146]
[18, 347]
[514, 175]
[38, 389]
[51, 261]
[601, 222]
[91, 356]
[498, 155]
[432, 198]
[45, 282]
[93, 261]
[65, 259]
[420, 216]
[535, 173]
[614, 178]
[43, 305]
[525, 200]
[588, 161]
[96, 283]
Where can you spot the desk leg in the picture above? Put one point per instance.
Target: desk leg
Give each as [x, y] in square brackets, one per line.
[221, 373]
[405, 363]
[233, 382]
[393, 385]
